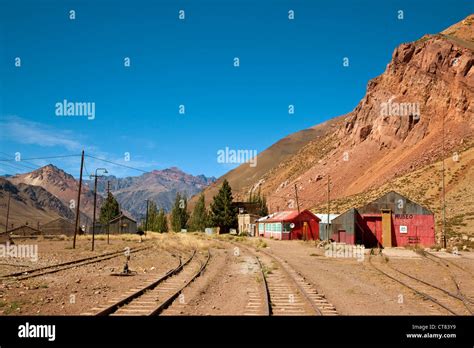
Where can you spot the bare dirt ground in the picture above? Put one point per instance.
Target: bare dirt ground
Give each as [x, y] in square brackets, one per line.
[230, 285]
[355, 288]
[226, 288]
[75, 290]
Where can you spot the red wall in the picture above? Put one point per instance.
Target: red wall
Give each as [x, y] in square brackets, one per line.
[297, 231]
[313, 226]
[420, 229]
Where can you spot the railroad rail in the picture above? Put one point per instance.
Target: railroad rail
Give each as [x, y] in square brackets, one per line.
[36, 272]
[446, 266]
[157, 295]
[286, 291]
[423, 294]
[266, 291]
[443, 261]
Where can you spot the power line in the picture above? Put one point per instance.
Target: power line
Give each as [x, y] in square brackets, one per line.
[12, 166]
[20, 162]
[117, 164]
[85, 169]
[19, 166]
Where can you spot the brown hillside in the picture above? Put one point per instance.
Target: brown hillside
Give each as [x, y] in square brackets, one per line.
[385, 137]
[60, 184]
[29, 204]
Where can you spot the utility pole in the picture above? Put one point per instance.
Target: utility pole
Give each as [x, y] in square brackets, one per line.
[8, 210]
[298, 205]
[108, 221]
[329, 208]
[78, 201]
[93, 218]
[297, 201]
[444, 197]
[95, 203]
[146, 217]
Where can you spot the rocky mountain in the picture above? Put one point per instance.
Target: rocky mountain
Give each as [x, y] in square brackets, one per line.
[61, 184]
[30, 204]
[159, 186]
[427, 90]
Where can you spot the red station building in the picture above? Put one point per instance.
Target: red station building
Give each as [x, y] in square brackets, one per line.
[391, 220]
[288, 225]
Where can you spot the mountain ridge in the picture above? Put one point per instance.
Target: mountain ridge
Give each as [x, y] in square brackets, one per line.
[427, 83]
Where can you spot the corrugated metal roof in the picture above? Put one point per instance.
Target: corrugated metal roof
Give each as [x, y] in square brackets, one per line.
[280, 216]
[324, 217]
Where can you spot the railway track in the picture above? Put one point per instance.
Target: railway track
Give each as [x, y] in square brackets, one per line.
[450, 302]
[157, 294]
[36, 272]
[287, 292]
[446, 265]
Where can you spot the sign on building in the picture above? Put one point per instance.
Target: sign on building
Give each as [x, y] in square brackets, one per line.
[403, 229]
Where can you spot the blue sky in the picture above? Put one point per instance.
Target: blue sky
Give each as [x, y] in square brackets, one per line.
[190, 63]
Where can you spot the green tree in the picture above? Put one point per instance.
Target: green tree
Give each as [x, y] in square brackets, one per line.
[152, 213]
[261, 201]
[199, 218]
[223, 214]
[161, 221]
[157, 219]
[179, 213]
[109, 209]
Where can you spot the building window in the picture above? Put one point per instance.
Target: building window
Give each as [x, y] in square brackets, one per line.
[261, 227]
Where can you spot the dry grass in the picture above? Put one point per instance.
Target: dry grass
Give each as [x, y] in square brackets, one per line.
[167, 241]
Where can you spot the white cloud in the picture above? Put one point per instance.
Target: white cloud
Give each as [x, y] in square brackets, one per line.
[19, 130]
[33, 133]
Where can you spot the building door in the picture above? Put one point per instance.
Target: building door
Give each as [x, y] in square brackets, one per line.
[387, 228]
[305, 230]
[342, 236]
[374, 223]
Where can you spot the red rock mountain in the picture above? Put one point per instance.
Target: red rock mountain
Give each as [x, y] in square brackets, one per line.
[61, 184]
[29, 204]
[396, 129]
[160, 186]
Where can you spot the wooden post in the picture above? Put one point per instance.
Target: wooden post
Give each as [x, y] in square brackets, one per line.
[78, 201]
[8, 211]
[93, 217]
[297, 201]
[329, 209]
[146, 217]
[444, 242]
[108, 222]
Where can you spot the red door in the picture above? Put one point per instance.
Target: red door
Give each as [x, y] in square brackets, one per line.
[342, 236]
[374, 223]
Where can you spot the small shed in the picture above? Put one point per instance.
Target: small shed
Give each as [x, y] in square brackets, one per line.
[291, 224]
[59, 226]
[24, 231]
[324, 227]
[122, 224]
